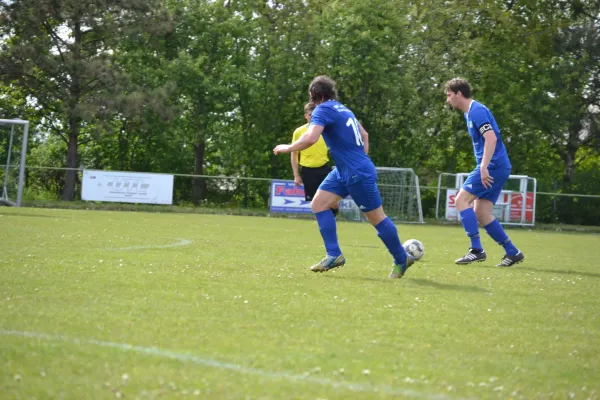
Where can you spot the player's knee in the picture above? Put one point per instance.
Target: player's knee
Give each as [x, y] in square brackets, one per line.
[315, 207]
[463, 201]
[484, 219]
[483, 211]
[319, 204]
[376, 216]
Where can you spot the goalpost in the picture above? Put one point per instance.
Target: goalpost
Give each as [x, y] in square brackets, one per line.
[12, 160]
[400, 193]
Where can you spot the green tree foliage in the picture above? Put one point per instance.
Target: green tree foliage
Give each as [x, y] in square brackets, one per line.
[209, 87]
[564, 76]
[362, 45]
[203, 68]
[61, 52]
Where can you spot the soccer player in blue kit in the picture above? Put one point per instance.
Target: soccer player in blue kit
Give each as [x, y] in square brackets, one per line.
[484, 185]
[354, 174]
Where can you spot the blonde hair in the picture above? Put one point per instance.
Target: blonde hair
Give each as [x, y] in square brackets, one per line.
[308, 108]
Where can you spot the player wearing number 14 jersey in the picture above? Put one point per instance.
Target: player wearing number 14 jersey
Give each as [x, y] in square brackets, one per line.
[341, 132]
[354, 175]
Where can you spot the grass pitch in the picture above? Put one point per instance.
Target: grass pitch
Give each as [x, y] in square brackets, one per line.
[105, 305]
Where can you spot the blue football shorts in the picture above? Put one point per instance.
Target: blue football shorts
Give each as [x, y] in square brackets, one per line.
[474, 186]
[365, 192]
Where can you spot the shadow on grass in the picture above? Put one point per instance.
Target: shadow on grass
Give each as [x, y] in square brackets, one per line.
[365, 246]
[547, 271]
[417, 281]
[24, 214]
[443, 286]
[558, 271]
[357, 278]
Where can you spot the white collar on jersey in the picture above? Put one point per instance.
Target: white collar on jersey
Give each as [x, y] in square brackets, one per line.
[469, 110]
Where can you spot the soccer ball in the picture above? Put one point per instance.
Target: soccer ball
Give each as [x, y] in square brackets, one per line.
[414, 248]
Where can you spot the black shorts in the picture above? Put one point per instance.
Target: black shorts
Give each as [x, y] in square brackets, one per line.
[312, 178]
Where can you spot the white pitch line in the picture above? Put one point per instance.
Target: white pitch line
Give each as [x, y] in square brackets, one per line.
[207, 362]
[181, 242]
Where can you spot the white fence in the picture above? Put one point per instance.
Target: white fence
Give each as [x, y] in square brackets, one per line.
[515, 206]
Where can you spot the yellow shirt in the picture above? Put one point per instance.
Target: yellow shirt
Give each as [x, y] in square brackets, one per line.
[316, 155]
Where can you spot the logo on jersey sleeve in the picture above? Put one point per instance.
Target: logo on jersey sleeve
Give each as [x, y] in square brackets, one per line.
[485, 127]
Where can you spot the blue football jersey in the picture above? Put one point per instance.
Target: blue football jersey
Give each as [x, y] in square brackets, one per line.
[342, 137]
[479, 120]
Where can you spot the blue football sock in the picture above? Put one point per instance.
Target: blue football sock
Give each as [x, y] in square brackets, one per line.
[496, 232]
[387, 232]
[328, 229]
[469, 222]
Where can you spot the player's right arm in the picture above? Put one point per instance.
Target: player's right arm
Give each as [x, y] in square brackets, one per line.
[311, 136]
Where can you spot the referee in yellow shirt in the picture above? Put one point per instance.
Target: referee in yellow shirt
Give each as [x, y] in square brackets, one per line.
[310, 165]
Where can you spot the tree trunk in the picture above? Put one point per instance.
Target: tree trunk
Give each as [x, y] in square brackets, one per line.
[69, 189]
[569, 169]
[74, 119]
[198, 184]
[570, 152]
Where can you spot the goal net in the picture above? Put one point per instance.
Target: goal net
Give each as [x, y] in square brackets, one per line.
[13, 148]
[400, 193]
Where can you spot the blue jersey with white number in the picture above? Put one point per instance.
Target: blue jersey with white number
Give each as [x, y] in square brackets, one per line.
[342, 136]
[479, 120]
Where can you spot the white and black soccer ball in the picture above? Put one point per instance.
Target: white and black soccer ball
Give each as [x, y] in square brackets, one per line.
[415, 248]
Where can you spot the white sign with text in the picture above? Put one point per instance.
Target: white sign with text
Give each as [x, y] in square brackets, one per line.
[127, 187]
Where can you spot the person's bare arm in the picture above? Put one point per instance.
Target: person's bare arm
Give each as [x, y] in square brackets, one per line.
[365, 137]
[488, 151]
[296, 168]
[310, 137]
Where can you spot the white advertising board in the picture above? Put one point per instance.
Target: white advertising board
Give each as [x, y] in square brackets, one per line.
[451, 211]
[127, 187]
[286, 197]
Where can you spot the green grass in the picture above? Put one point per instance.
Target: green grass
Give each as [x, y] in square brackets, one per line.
[103, 304]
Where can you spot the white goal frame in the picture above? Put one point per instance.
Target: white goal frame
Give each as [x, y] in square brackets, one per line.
[4, 199]
[504, 207]
[407, 193]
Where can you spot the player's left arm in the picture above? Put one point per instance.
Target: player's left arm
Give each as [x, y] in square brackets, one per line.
[481, 120]
[489, 146]
[310, 137]
[365, 138]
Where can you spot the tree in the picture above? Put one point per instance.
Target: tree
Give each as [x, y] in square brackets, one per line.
[200, 63]
[62, 54]
[362, 48]
[565, 43]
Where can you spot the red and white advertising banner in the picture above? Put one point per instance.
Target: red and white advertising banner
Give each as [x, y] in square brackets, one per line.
[451, 212]
[516, 204]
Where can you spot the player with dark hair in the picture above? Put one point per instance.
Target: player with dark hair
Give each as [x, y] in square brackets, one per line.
[354, 174]
[310, 165]
[484, 185]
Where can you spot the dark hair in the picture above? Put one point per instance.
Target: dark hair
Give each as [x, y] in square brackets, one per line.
[309, 107]
[322, 88]
[458, 85]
